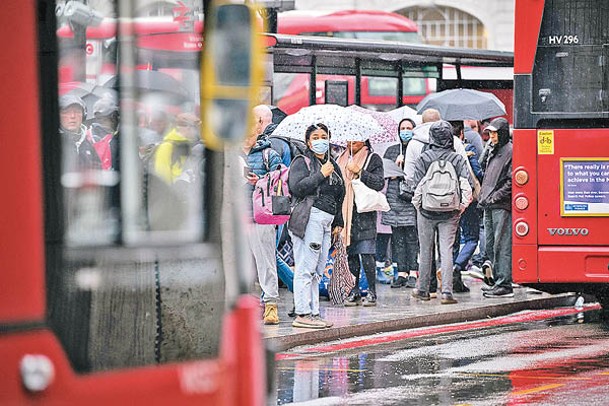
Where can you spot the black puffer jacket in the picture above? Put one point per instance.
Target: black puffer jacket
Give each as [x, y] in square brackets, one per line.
[402, 213]
[496, 163]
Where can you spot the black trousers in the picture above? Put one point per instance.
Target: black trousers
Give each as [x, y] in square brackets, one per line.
[405, 248]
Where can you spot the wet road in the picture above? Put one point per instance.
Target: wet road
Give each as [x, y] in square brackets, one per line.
[559, 361]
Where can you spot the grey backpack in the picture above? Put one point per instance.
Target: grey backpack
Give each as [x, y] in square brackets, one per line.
[440, 187]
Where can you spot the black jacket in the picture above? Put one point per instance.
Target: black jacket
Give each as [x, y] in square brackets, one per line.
[496, 162]
[363, 225]
[308, 181]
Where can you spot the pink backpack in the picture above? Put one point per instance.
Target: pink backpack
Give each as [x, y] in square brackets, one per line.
[271, 196]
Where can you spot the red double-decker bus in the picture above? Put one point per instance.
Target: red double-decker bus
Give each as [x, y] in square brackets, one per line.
[291, 92]
[561, 146]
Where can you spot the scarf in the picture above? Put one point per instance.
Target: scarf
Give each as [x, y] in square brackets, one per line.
[359, 158]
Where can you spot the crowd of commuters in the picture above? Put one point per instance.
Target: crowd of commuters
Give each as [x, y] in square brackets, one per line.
[429, 250]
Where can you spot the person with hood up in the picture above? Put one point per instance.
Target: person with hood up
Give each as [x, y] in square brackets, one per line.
[78, 152]
[260, 158]
[444, 223]
[402, 216]
[358, 161]
[104, 131]
[496, 200]
[421, 142]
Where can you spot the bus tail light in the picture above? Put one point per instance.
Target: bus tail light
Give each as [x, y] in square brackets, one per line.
[521, 202]
[521, 177]
[521, 228]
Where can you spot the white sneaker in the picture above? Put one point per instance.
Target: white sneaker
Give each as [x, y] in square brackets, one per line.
[475, 272]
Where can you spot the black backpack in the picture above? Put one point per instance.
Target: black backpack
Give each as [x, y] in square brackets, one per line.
[297, 147]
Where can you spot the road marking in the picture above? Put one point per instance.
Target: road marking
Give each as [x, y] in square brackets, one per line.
[295, 368]
[529, 316]
[538, 389]
[503, 375]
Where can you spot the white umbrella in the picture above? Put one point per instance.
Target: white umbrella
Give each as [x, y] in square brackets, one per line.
[405, 112]
[344, 124]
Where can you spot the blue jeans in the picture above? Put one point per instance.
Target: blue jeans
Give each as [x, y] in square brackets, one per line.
[498, 230]
[470, 232]
[310, 256]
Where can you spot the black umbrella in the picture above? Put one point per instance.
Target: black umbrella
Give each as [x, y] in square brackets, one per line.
[463, 104]
[157, 82]
[278, 114]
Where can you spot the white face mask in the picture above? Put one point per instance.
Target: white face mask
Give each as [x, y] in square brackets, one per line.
[320, 146]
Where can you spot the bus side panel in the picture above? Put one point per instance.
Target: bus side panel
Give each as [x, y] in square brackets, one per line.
[527, 23]
[196, 383]
[585, 176]
[574, 264]
[524, 255]
[21, 246]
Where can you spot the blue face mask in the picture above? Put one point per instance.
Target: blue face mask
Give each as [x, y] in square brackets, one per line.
[406, 135]
[320, 146]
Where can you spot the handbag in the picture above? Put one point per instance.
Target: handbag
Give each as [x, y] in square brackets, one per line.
[367, 199]
[404, 191]
[271, 198]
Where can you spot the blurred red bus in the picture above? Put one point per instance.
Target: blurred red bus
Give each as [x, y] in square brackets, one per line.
[291, 91]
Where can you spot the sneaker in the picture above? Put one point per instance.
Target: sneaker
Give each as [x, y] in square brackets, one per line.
[420, 295]
[459, 286]
[369, 300]
[486, 288]
[307, 321]
[318, 318]
[433, 295]
[399, 282]
[487, 270]
[499, 291]
[475, 272]
[354, 298]
[447, 298]
[412, 282]
[381, 277]
[292, 313]
[270, 314]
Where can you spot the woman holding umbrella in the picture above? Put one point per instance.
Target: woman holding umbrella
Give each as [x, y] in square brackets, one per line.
[315, 180]
[358, 161]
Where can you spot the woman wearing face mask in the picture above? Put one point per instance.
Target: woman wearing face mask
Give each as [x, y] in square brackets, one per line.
[402, 217]
[315, 176]
[359, 233]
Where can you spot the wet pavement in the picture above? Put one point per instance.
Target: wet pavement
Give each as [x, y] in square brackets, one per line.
[556, 361]
[397, 310]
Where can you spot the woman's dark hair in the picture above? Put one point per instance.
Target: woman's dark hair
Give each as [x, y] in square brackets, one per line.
[406, 119]
[314, 127]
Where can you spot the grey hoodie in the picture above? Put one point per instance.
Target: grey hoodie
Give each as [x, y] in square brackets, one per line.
[441, 147]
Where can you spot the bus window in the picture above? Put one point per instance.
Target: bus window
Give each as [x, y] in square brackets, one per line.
[133, 279]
